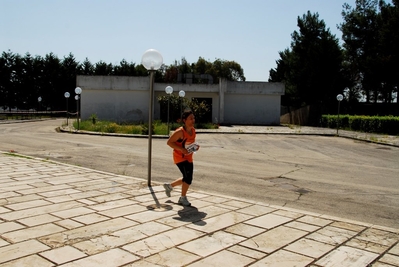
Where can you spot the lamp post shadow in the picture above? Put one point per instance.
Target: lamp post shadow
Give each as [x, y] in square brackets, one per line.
[157, 206]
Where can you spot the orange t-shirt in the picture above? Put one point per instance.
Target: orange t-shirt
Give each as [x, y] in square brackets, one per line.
[178, 156]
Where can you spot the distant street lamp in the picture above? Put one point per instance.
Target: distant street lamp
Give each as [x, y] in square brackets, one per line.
[67, 95]
[151, 60]
[181, 94]
[77, 109]
[39, 99]
[339, 98]
[169, 91]
[78, 92]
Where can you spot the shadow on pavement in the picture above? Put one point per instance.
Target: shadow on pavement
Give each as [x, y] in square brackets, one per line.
[191, 214]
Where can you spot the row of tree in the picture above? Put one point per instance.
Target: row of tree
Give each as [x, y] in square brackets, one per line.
[23, 79]
[315, 68]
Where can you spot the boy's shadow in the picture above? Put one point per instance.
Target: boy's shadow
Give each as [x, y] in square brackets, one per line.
[190, 214]
[187, 214]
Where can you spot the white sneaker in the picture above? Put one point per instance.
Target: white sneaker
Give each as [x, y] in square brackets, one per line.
[183, 201]
[168, 189]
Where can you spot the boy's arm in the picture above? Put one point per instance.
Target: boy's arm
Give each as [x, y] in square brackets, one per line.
[173, 139]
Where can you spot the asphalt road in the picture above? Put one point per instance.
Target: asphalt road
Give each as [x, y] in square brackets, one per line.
[327, 175]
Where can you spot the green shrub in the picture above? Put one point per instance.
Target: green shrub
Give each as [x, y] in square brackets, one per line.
[368, 124]
[207, 126]
[112, 128]
[93, 118]
[136, 129]
[344, 121]
[158, 127]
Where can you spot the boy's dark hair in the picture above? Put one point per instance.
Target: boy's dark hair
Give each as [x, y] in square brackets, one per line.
[186, 114]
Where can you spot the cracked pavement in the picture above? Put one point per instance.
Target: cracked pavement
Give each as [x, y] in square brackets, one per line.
[55, 214]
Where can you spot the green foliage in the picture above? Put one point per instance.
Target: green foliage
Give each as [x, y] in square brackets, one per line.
[24, 78]
[229, 70]
[358, 32]
[145, 129]
[93, 118]
[175, 125]
[371, 42]
[108, 127]
[315, 68]
[178, 104]
[158, 127]
[311, 68]
[200, 109]
[368, 124]
[112, 128]
[207, 125]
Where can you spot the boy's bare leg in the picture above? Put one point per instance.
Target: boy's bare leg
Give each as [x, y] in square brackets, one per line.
[177, 182]
[184, 186]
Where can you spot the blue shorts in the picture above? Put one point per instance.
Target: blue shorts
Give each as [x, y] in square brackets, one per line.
[186, 168]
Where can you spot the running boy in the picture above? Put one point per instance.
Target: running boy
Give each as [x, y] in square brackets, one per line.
[179, 141]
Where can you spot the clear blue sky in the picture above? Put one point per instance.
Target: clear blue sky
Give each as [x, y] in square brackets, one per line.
[250, 32]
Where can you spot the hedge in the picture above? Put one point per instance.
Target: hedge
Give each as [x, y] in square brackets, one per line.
[368, 124]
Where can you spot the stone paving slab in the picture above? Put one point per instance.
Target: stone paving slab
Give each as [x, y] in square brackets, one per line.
[54, 214]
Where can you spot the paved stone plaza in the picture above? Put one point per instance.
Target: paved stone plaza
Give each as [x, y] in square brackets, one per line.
[54, 214]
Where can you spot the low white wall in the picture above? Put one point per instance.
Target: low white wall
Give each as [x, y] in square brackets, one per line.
[252, 109]
[114, 98]
[252, 103]
[115, 105]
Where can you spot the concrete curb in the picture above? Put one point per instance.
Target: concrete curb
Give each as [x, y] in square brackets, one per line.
[365, 137]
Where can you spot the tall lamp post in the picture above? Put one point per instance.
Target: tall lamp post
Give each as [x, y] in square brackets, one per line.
[339, 98]
[151, 60]
[169, 91]
[181, 94]
[67, 95]
[78, 92]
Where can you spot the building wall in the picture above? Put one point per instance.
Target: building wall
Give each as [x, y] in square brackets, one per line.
[126, 99]
[115, 105]
[114, 98]
[252, 103]
[252, 109]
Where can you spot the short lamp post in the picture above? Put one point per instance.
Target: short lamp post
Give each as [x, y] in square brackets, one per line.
[77, 109]
[151, 60]
[339, 98]
[39, 100]
[181, 95]
[67, 95]
[78, 92]
[169, 91]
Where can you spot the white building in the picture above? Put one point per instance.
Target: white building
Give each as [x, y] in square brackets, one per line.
[126, 99]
